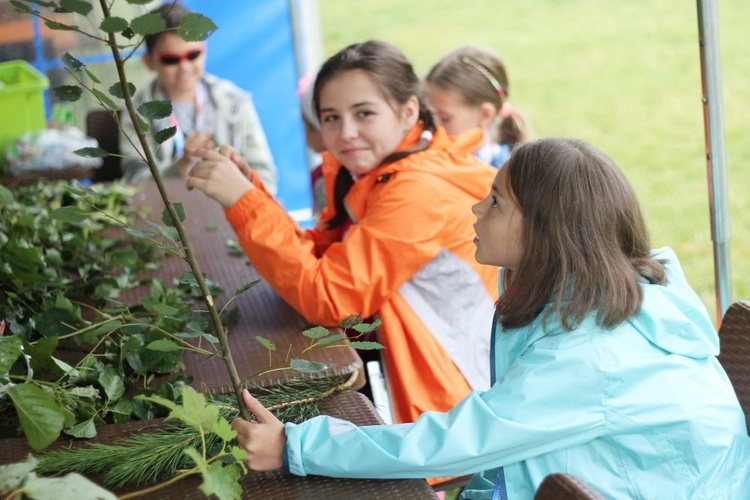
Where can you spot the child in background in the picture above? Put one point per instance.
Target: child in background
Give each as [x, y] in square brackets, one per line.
[469, 88]
[604, 359]
[395, 239]
[206, 110]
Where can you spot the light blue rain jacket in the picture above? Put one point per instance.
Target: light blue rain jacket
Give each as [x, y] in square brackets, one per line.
[640, 411]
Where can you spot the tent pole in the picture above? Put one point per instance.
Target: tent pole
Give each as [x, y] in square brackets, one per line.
[713, 119]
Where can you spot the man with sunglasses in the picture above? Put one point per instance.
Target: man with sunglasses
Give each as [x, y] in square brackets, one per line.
[206, 110]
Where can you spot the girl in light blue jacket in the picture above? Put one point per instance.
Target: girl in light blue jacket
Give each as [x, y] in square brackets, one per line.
[604, 359]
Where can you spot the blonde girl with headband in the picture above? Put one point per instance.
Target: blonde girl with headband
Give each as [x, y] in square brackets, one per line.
[395, 238]
[469, 88]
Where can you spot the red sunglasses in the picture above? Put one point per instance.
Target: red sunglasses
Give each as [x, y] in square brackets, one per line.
[172, 59]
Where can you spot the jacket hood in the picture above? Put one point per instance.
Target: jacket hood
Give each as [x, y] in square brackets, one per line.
[673, 317]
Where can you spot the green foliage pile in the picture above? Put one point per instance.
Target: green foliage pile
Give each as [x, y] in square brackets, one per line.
[73, 355]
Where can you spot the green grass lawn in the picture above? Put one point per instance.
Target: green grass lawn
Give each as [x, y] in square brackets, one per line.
[621, 74]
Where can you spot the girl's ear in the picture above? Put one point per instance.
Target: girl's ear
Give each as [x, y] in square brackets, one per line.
[148, 60]
[487, 114]
[410, 112]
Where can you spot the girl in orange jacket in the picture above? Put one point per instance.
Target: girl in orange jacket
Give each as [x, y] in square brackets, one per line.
[395, 239]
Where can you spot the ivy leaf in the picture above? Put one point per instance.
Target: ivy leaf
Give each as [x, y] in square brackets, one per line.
[245, 288]
[77, 6]
[194, 411]
[196, 27]
[266, 343]
[6, 196]
[155, 109]
[223, 429]
[166, 218]
[10, 349]
[91, 153]
[148, 24]
[163, 345]
[113, 24]
[71, 486]
[104, 98]
[116, 90]
[53, 25]
[70, 213]
[305, 366]
[71, 62]
[85, 429]
[222, 480]
[317, 332]
[332, 339]
[40, 416]
[165, 134]
[112, 383]
[68, 93]
[366, 346]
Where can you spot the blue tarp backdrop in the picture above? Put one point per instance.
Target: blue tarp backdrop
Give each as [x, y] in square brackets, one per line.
[254, 47]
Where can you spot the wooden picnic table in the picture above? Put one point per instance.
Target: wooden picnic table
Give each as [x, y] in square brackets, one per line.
[261, 311]
[276, 485]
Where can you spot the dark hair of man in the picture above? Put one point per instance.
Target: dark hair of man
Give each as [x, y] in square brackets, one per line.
[585, 239]
[172, 13]
[394, 75]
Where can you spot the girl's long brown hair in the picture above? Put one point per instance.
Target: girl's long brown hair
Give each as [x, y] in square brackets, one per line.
[585, 238]
[394, 75]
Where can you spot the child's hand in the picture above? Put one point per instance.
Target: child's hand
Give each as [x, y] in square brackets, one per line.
[218, 177]
[263, 440]
[238, 160]
[193, 143]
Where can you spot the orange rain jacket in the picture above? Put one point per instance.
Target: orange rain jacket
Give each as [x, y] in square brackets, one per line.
[408, 257]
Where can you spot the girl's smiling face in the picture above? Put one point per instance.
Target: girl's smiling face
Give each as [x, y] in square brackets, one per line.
[499, 226]
[359, 126]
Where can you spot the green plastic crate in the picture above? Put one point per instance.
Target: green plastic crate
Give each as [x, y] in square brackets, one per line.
[21, 102]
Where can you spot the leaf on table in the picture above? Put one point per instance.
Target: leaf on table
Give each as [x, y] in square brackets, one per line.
[40, 416]
[163, 345]
[112, 383]
[6, 196]
[71, 486]
[69, 214]
[10, 349]
[306, 366]
[85, 429]
[12, 476]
